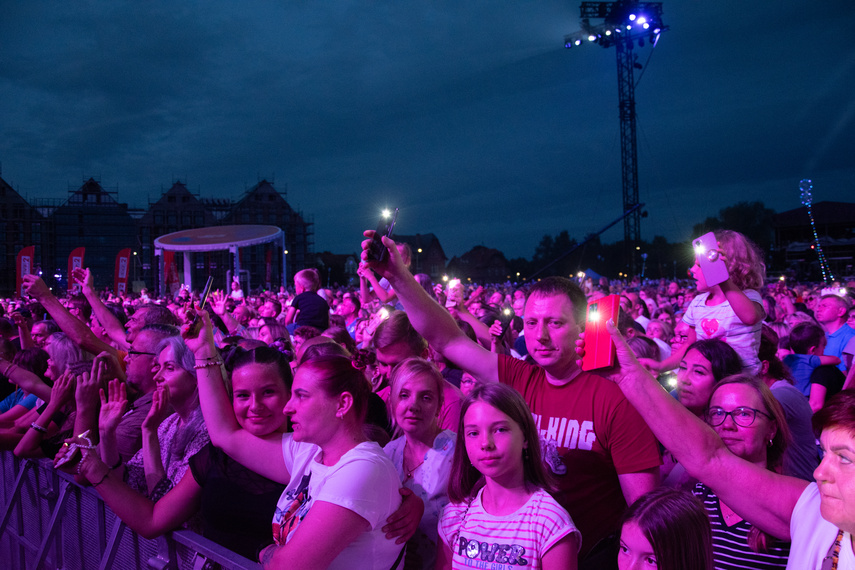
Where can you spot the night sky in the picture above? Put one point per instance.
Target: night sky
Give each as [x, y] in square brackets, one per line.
[471, 117]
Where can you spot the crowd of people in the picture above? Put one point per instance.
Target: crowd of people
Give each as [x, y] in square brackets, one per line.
[407, 424]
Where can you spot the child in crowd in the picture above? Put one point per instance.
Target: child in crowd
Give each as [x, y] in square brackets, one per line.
[500, 511]
[733, 310]
[307, 308]
[666, 529]
[807, 341]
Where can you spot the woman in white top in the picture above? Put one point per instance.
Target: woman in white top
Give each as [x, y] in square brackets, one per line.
[424, 453]
[340, 487]
[818, 517]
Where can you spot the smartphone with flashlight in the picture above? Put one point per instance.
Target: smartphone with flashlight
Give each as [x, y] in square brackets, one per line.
[452, 293]
[506, 315]
[376, 250]
[709, 260]
[196, 325]
[599, 347]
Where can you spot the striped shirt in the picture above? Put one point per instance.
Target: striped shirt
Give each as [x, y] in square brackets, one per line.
[730, 543]
[482, 540]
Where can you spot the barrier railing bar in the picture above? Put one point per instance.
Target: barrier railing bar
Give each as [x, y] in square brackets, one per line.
[213, 551]
[112, 546]
[53, 527]
[16, 493]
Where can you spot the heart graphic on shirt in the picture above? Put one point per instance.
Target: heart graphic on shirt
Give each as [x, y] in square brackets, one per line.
[709, 326]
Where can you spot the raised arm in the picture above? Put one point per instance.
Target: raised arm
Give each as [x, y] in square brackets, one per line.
[24, 336]
[262, 455]
[76, 329]
[25, 380]
[430, 319]
[762, 497]
[748, 311]
[108, 320]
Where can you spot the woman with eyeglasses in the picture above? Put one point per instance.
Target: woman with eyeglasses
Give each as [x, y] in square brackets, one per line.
[752, 425]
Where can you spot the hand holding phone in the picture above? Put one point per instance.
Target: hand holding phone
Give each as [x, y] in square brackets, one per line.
[196, 325]
[709, 260]
[506, 315]
[599, 347]
[377, 251]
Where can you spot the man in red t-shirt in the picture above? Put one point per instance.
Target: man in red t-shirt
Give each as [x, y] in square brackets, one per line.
[601, 452]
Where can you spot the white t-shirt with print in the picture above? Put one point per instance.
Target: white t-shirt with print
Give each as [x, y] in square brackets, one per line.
[719, 321]
[363, 481]
[508, 541]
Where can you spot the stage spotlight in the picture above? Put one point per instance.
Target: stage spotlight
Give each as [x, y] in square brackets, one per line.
[645, 25]
[592, 38]
[657, 30]
[608, 32]
[632, 17]
[641, 20]
[578, 42]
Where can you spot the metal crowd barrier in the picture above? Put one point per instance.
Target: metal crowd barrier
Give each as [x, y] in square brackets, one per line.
[49, 522]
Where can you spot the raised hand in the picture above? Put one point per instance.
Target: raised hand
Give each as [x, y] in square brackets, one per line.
[83, 277]
[35, 287]
[218, 302]
[201, 343]
[159, 410]
[392, 265]
[114, 404]
[62, 390]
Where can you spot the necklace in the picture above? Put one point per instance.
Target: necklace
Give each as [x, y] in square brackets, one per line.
[413, 469]
[831, 559]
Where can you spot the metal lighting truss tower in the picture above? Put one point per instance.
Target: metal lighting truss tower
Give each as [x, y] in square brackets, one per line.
[623, 24]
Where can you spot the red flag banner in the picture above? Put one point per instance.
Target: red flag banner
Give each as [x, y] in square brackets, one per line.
[120, 276]
[170, 272]
[24, 266]
[75, 261]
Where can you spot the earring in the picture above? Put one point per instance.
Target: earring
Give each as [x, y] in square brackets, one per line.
[770, 443]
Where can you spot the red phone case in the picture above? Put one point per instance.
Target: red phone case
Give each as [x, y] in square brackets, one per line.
[599, 348]
[712, 266]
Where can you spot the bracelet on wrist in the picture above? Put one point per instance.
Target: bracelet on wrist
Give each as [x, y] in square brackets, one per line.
[214, 357]
[208, 364]
[38, 428]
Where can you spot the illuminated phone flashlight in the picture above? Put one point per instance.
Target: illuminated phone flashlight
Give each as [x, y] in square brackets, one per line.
[384, 313]
[386, 213]
[671, 379]
[506, 311]
[594, 315]
[699, 248]
[782, 278]
[452, 283]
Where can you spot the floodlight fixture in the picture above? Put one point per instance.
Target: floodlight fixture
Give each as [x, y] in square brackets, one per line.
[622, 23]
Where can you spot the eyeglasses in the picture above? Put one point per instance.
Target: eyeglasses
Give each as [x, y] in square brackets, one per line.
[138, 353]
[742, 416]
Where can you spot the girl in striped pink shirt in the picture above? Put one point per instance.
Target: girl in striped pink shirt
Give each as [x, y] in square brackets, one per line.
[500, 515]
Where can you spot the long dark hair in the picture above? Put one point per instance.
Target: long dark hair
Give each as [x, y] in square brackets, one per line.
[724, 361]
[465, 480]
[676, 526]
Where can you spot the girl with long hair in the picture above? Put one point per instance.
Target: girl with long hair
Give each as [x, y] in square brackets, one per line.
[500, 509]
